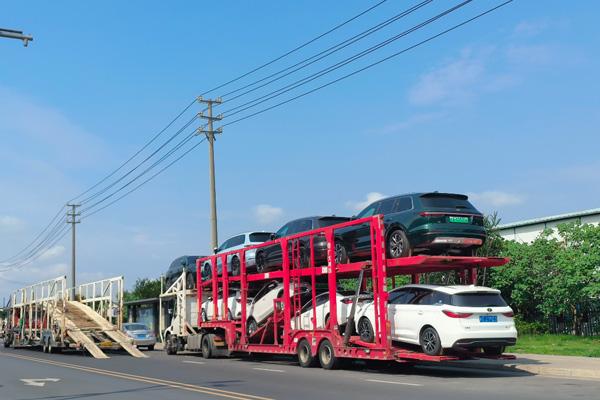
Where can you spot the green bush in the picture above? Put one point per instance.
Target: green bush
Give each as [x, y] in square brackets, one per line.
[530, 328]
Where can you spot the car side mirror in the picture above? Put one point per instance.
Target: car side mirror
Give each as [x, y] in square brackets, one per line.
[273, 236]
[215, 250]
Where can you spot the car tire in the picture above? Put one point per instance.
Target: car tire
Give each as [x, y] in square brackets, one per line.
[189, 281]
[365, 330]
[204, 316]
[251, 326]
[305, 357]
[327, 357]
[207, 271]
[208, 346]
[430, 342]
[235, 266]
[493, 350]
[151, 348]
[260, 262]
[397, 244]
[171, 345]
[341, 254]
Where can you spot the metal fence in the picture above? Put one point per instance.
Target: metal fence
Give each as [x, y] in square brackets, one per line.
[590, 322]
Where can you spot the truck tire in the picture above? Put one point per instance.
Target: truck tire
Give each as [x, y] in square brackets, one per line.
[327, 356]
[171, 345]
[305, 357]
[208, 346]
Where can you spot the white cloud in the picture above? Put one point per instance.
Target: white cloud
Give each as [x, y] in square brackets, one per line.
[267, 214]
[496, 198]
[9, 223]
[412, 122]
[53, 252]
[359, 205]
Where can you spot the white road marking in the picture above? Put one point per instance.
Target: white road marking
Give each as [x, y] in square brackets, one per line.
[270, 370]
[38, 381]
[394, 383]
[195, 362]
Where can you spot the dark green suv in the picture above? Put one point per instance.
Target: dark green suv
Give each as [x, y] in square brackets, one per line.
[417, 223]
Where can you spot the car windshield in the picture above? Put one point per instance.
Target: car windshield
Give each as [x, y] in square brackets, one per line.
[478, 299]
[260, 237]
[446, 201]
[136, 327]
[328, 221]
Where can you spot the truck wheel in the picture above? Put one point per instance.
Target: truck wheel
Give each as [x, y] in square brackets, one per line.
[327, 356]
[208, 346]
[305, 357]
[171, 345]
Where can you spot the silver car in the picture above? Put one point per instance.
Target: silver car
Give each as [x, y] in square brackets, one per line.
[140, 335]
[237, 242]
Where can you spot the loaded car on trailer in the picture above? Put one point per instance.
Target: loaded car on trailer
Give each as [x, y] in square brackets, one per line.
[290, 329]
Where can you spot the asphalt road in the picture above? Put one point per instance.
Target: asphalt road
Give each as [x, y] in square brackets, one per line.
[74, 376]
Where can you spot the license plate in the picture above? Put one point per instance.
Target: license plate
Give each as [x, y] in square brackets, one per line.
[488, 318]
[458, 220]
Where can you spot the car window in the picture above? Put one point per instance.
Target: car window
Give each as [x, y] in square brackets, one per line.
[386, 206]
[307, 306]
[328, 221]
[224, 245]
[283, 231]
[265, 290]
[279, 294]
[402, 204]
[367, 212]
[478, 299]
[136, 327]
[440, 298]
[236, 240]
[394, 295]
[259, 237]
[322, 298]
[422, 296]
[303, 225]
[441, 200]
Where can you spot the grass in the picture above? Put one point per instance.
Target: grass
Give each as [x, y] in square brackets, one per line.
[561, 345]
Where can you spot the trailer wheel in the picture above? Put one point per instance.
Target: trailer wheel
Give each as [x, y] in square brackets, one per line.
[208, 346]
[305, 357]
[430, 342]
[493, 350]
[327, 356]
[397, 244]
[235, 266]
[365, 330]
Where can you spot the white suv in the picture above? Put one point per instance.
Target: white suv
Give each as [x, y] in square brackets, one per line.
[444, 317]
[344, 306]
[236, 242]
[233, 305]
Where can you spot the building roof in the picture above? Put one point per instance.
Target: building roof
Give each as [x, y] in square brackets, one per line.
[578, 214]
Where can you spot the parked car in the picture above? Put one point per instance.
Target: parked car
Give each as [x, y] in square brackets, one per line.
[233, 304]
[261, 305]
[433, 223]
[269, 257]
[343, 306]
[140, 335]
[445, 317]
[176, 268]
[237, 242]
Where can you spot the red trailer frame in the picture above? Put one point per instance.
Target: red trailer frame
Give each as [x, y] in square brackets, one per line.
[233, 334]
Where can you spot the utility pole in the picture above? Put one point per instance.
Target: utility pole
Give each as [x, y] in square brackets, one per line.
[12, 34]
[72, 218]
[210, 136]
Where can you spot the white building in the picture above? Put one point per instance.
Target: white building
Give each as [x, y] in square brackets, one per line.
[527, 231]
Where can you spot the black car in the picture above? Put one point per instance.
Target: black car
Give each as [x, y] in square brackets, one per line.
[427, 223]
[176, 268]
[269, 257]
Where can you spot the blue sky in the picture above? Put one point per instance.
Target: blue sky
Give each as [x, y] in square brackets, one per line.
[505, 109]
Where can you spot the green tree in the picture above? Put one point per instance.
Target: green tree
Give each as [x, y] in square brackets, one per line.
[143, 289]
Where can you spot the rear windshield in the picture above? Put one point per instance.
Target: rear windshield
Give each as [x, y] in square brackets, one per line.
[323, 222]
[434, 201]
[260, 237]
[481, 299]
[136, 327]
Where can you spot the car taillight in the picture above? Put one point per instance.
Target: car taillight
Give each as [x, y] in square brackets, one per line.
[509, 314]
[452, 314]
[347, 301]
[430, 214]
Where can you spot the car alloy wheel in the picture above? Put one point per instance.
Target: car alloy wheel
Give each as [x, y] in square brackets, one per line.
[260, 262]
[235, 266]
[397, 244]
[365, 330]
[341, 255]
[430, 342]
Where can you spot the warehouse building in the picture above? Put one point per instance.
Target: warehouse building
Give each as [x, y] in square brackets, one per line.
[527, 231]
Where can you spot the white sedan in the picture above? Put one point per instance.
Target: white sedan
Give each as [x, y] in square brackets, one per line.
[344, 306]
[233, 305]
[445, 317]
[236, 242]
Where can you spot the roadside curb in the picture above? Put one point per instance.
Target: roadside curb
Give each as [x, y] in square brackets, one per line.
[591, 374]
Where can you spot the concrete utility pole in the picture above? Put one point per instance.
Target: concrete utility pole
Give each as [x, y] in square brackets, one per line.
[12, 34]
[210, 136]
[73, 220]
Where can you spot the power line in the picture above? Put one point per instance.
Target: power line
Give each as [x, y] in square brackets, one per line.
[276, 93]
[295, 49]
[325, 53]
[372, 64]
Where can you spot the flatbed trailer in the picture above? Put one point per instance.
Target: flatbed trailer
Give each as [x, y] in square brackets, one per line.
[51, 317]
[223, 336]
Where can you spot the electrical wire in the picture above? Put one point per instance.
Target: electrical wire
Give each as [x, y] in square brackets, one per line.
[370, 65]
